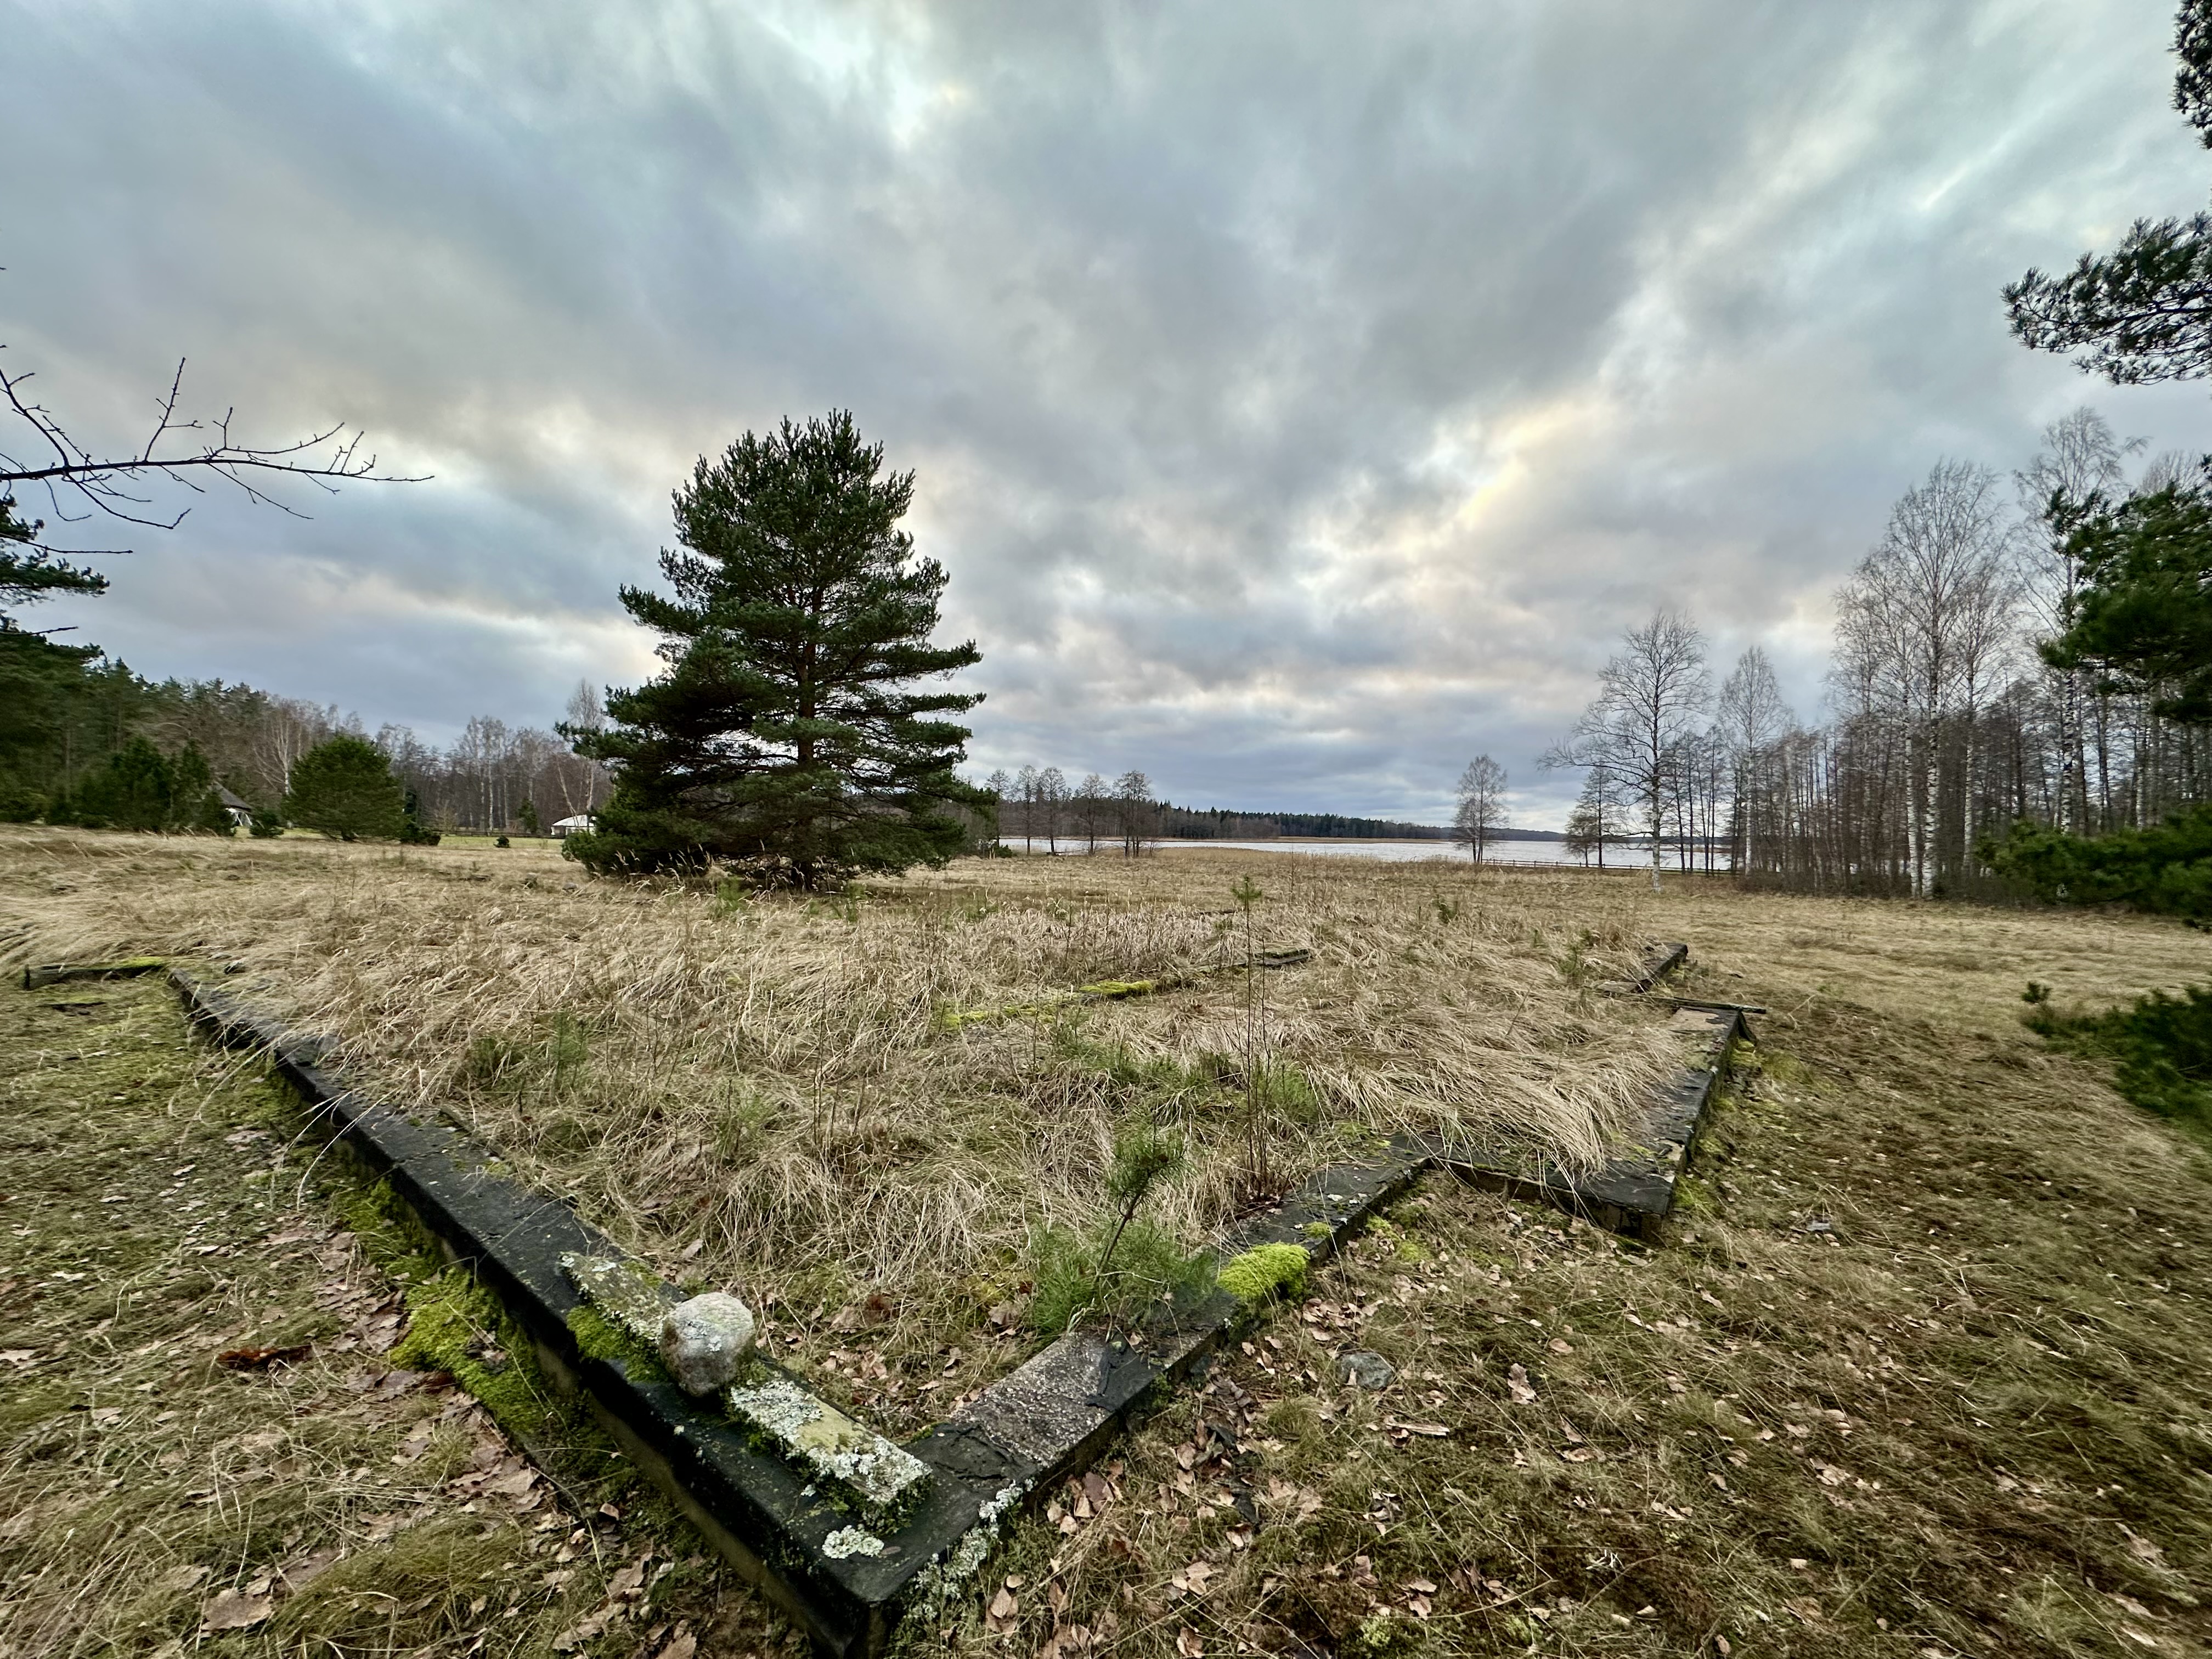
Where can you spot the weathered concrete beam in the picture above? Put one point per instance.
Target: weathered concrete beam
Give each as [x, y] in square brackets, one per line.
[852, 1534]
[55, 973]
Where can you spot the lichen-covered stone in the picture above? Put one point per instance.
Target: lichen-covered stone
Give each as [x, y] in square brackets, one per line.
[704, 1342]
[628, 1292]
[819, 1437]
[850, 1541]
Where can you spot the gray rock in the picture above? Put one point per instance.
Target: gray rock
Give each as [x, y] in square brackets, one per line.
[703, 1341]
[1368, 1370]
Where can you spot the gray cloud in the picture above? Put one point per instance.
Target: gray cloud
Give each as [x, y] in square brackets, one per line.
[1302, 399]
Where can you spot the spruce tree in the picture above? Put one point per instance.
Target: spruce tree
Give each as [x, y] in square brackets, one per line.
[785, 737]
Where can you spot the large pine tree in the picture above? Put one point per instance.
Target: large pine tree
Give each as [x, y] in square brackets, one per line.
[784, 736]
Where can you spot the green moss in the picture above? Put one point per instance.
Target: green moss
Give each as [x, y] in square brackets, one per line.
[1316, 1230]
[389, 1233]
[454, 1325]
[1266, 1271]
[599, 1337]
[1111, 989]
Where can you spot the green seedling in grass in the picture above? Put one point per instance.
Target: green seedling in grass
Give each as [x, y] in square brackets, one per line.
[1138, 1263]
[1247, 894]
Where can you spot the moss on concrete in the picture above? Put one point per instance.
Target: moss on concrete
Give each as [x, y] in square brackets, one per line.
[599, 1337]
[456, 1326]
[1265, 1271]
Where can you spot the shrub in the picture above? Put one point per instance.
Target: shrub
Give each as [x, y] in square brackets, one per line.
[2167, 868]
[139, 787]
[19, 802]
[267, 825]
[2162, 1046]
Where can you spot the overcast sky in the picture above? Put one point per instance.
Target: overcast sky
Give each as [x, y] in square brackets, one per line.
[1303, 398]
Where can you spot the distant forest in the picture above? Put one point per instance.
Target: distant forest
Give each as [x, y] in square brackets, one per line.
[67, 708]
[1040, 803]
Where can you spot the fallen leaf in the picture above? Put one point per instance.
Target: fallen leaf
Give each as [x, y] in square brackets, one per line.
[1191, 1580]
[180, 1578]
[681, 1645]
[232, 1611]
[1188, 1644]
[1433, 1431]
[1516, 1384]
[307, 1568]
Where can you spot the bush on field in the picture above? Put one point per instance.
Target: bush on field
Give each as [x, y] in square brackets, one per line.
[2162, 1045]
[141, 788]
[2167, 868]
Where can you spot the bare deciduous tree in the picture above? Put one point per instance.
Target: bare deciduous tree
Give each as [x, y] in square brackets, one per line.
[1481, 811]
[1052, 797]
[2079, 462]
[1090, 808]
[1133, 811]
[43, 456]
[1026, 785]
[1924, 626]
[1649, 695]
[1752, 716]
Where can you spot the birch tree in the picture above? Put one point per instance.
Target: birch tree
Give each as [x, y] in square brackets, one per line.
[1752, 717]
[1649, 696]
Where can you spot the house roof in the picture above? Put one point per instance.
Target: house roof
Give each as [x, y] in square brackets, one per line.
[237, 803]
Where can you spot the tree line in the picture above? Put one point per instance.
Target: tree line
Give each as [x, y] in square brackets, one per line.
[1969, 693]
[72, 711]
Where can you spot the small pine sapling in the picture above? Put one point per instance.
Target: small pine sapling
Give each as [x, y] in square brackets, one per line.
[1144, 1155]
[1137, 1263]
[1258, 1175]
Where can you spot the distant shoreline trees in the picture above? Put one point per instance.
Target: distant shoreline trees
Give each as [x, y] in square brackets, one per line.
[2045, 663]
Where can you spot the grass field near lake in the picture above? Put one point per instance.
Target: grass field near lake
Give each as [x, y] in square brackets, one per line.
[1920, 1370]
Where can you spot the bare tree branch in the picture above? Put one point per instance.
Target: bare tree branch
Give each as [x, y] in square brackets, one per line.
[183, 451]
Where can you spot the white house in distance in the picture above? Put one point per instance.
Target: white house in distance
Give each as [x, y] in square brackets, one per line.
[564, 828]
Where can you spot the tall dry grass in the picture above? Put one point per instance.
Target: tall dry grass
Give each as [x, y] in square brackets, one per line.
[771, 1079]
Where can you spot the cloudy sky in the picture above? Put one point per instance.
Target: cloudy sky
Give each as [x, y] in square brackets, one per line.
[1303, 398]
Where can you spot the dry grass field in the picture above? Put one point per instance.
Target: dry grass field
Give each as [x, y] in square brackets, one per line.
[789, 1096]
[1920, 1372]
